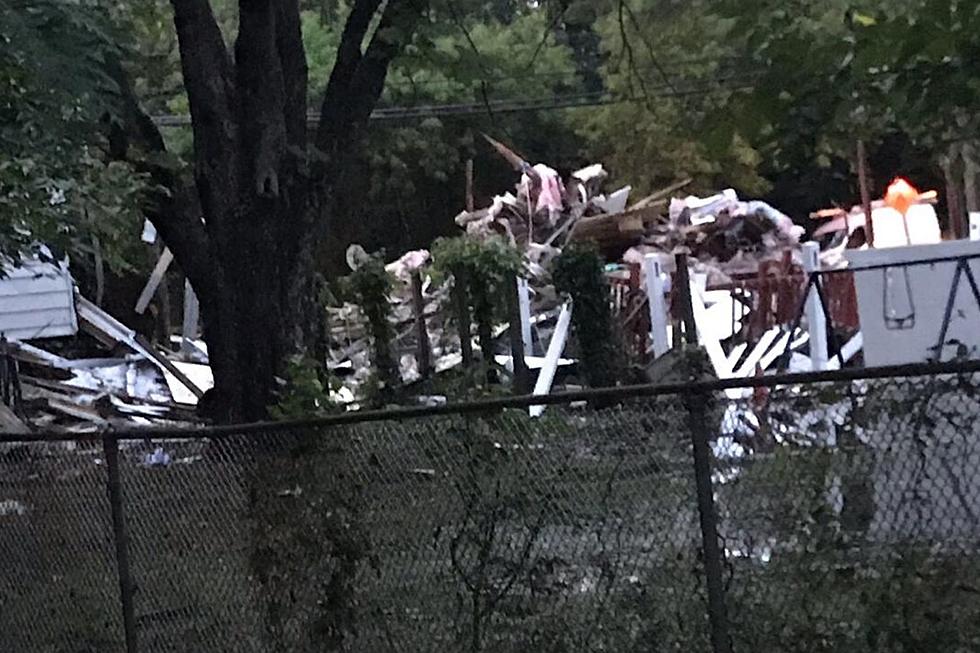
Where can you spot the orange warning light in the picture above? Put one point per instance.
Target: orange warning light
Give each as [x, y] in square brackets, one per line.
[901, 196]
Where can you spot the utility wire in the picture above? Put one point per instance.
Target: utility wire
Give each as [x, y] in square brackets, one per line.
[519, 105]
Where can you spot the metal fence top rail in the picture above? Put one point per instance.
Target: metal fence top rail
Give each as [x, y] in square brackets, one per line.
[902, 264]
[522, 402]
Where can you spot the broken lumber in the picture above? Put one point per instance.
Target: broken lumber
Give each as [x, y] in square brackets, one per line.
[150, 289]
[555, 348]
[111, 332]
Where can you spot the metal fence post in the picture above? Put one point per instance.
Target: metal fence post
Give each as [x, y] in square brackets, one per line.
[717, 613]
[682, 290]
[110, 445]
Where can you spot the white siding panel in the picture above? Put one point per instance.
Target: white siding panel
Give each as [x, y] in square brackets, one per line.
[37, 301]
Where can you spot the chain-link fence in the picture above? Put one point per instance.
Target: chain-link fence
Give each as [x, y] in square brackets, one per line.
[844, 512]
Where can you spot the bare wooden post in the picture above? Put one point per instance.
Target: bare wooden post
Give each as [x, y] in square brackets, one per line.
[422, 332]
[463, 318]
[682, 288]
[155, 280]
[865, 185]
[698, 424]
[110, 447]
[953, 170]
[521, 377]
[470, 203]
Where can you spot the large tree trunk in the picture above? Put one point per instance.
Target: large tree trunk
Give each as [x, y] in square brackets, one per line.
[262, 189]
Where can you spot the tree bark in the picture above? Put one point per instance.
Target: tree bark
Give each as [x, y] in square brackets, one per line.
[865, 188]
[955, 201]
[971, 176]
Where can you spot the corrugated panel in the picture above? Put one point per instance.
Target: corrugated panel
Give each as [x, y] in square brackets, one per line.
[37, 300]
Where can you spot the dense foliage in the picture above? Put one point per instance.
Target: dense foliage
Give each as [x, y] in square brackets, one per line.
[484, 273]
[714, 91]
[578, 273]
[372, 285]
[58, 184]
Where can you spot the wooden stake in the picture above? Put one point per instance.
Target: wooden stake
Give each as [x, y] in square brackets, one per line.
[463, 319]
[521, 377]
[470, 203]
[422, 331]
[192, 309]
[953, 170]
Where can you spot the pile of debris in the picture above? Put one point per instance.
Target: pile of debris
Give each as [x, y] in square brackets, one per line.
[545, 213]
[414, 293]
[722, 234]
[134, 383]
[724, 231]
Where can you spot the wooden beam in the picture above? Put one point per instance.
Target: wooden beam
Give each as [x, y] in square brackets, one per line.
[165, 363]
[153, 282]
[555, 348]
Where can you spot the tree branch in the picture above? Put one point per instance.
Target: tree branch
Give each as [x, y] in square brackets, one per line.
[292, 57]
[207, 70]
[345, 113]
[349, 57]
[208, 78]
[172, 208]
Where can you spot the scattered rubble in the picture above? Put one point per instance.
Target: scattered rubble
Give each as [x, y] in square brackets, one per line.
[135, 384]
[746, 263]
[727, 239]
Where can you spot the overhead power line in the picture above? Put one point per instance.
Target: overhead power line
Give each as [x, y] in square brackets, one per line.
[514, 105]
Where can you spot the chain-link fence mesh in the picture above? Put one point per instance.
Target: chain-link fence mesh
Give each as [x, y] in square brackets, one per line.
[849, 515]
[59, 590]
[846, 512]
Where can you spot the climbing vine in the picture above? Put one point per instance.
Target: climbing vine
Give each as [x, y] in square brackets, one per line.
[371, 285]
[485, 270]
[578, 274]
[303, 392]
